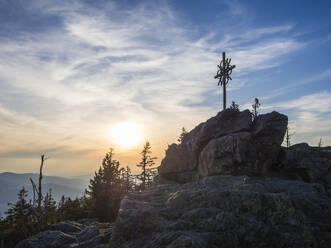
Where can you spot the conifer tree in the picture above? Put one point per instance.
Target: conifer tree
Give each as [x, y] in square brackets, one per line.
[127, 179]
[18, 216]
[181, 136]
[105, 189]
[146, 162]
[255, 107]
[49, 208]
[234, 106]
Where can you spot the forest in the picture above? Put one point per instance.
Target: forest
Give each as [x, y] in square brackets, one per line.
[101, 200]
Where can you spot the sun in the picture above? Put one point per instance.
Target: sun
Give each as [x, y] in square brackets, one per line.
[126, 134]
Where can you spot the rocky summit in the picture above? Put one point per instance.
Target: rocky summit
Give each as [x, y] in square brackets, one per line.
[229, 143]
[229, 183]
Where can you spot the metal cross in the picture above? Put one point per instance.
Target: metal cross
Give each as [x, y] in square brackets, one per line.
[223, 74]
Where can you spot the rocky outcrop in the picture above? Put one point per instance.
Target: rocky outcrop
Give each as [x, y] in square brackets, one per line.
[306, 163]
[229, 143]
[268, 133]
[224, 155]
[82, 234]
[184, 158]
[225, 211]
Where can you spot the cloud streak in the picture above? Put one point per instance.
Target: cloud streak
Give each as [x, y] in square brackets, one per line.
[98, 66]
[311, 112]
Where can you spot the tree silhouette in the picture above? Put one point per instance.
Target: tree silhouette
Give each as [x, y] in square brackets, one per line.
[288, 136]
[49, 208]
[127, 177]
[105, 189]
[146, 161]
[234, 106]
[223, 75]
[255, 107]
[181, 136]
[18, 217]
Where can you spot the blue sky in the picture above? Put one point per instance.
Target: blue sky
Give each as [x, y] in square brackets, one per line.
[70, 70]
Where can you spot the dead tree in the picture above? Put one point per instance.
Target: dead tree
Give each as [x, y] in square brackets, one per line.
[288, 137]
[37, 195]
[223, 75]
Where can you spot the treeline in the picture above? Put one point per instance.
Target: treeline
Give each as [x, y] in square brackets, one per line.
[101, 199]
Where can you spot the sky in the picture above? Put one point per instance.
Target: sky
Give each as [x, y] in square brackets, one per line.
[71, 71]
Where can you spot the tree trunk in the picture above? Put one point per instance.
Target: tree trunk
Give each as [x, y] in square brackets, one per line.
[40, 195]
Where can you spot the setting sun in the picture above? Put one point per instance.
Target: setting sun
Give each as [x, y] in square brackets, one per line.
[126, 134]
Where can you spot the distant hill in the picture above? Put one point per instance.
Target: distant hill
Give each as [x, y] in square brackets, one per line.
[11, 183]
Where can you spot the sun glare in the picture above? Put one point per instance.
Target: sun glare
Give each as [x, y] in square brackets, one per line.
[126, 134]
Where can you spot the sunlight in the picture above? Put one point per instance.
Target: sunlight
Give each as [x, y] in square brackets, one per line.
[126, 134]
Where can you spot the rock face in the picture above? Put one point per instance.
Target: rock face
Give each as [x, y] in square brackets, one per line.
[306, 163]
[221, 155]
[227, 197]
[185, 156]
[229, 143]
[226, 211]
[67, 234]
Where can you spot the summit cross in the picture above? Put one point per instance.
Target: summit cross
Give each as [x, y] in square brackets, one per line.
[223, 75]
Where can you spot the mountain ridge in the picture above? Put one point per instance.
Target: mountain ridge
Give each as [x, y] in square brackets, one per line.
[12, 182]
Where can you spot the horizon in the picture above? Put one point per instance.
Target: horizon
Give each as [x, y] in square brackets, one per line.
[72, 72]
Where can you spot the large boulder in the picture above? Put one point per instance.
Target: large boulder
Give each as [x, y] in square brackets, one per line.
[306, 163]
[224, 155]
[225, 211]
[70, 234]
[229, 143]
[267, 136]
[48, 239]
[184, 158]
[225, 122]
[67, 227]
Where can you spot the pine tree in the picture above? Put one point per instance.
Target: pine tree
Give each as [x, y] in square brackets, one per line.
[146, 161]
[50, 209]
[151, 174]
[234, 106]
[105, 189]
[112, 183]
[18, 216]
[255, 107]
[127, 178]
[181, 136]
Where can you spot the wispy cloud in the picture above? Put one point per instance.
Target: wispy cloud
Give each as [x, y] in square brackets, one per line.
[97, 66]
[291, 86]
[310, 113]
